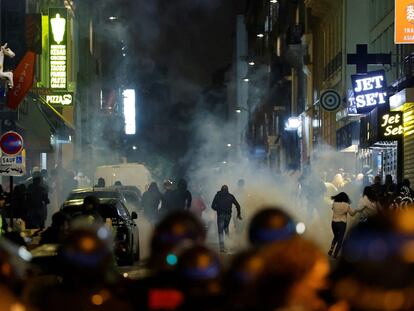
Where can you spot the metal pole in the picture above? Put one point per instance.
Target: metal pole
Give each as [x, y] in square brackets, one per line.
[11, 203]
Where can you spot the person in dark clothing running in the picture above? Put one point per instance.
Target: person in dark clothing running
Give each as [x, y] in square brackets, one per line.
[183, 197]
[378, 188]
[151, 199]
[222, 204]
[18, 200]
[37, 200]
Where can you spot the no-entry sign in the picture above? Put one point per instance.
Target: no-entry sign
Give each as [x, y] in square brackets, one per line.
[11, 143]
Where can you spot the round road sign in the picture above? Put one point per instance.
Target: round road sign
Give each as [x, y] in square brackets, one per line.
[11, 143]
[330, 100]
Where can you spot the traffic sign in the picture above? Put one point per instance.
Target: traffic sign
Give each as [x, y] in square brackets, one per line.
[13, 165]
[330, 100]
[11, 143]
[11, 160]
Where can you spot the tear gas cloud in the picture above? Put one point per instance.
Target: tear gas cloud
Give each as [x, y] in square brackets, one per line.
[214, 164]
[211, 162]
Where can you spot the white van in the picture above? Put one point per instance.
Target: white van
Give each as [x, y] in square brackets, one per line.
[129, 174]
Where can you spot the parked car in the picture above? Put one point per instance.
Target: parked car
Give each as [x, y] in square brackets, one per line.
[100, 193]
[134, 174]
[132, 195]
[114, 212]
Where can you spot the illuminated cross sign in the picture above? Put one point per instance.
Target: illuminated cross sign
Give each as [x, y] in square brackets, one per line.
[391, 126]
[58, 48]
[369, 90]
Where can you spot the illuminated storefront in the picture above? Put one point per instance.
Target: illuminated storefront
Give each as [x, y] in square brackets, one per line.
[58, 48]
[404, 101]
[382, 142]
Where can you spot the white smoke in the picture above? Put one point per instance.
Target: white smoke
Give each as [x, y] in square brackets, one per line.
[215, 164]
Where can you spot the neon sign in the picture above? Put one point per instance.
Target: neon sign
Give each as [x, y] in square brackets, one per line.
[58, 48]
[391, 125]
[369, 90]
[59, 99]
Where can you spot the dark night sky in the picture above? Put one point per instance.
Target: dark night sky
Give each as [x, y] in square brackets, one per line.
[193, 38]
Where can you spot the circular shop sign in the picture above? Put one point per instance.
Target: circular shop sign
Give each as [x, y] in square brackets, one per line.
[11, 143]
[330, 100]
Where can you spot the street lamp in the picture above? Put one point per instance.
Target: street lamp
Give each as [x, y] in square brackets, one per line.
[273, 1]
[134, 147]
[113, 18]
[240, 109]
[246, 79]
[252, 63]
[293, 123]
[260, 35]
[229, 145]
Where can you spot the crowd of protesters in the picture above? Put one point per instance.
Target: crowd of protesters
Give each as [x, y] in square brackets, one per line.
[369, 266]
[281, 269]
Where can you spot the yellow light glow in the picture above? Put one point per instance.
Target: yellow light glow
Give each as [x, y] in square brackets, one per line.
[97, 300]
[58, 28]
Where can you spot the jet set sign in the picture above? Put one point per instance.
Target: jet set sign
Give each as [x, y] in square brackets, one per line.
[391, 126]
[369, 90]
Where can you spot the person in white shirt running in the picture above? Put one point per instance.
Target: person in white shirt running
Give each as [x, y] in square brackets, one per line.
[368, 205]
[341, 207]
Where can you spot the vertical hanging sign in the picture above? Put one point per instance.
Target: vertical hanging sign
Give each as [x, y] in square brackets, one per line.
[58, 48]
[404, 22]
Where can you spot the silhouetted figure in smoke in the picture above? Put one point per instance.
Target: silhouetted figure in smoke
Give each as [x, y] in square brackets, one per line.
[366, 173]
[341, 208]
[168, 199]
[183, 197]
[223, 203]
[37, 200]
[368, 205]
[101, 183]
[313, 189]
[390, 191]
[378, 188]
[197, 204]
[19, 202]
[69, 183]
[150, 202]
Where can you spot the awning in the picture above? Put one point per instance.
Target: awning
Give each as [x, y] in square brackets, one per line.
[61, 128]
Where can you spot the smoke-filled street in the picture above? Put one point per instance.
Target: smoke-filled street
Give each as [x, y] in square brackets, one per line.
[212, 155]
